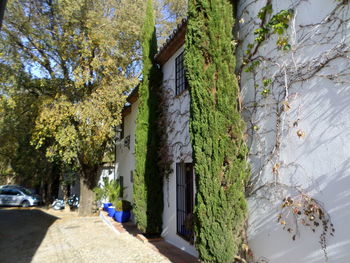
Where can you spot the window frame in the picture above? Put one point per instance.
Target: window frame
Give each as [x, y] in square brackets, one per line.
[184, 200]
[181, 83]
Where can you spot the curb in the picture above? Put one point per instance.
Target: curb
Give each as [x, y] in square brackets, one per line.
[108, 223]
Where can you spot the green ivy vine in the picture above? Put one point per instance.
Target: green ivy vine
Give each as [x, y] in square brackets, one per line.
[276, 25]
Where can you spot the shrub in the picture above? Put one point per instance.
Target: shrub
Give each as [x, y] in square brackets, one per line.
[110, 189]
[122, 205]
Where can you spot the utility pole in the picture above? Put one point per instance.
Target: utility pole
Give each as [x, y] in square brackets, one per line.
[2, 10]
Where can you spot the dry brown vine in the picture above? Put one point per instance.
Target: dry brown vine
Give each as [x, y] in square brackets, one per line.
[273, 109]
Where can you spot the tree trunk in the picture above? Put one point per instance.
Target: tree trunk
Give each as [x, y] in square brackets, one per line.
[88, 181]
[49, 186]
[66, 196]
[46, 189]
[86, 199]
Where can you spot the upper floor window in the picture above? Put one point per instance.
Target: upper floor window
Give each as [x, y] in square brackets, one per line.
[180, 76]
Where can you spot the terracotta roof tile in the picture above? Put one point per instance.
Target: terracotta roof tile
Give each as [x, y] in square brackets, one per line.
[173, 42]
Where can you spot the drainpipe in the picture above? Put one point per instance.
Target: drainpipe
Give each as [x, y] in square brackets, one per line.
[2, 10]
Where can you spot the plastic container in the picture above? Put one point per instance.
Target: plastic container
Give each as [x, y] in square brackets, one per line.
[106, 205]
[111, 211]
[122, 216]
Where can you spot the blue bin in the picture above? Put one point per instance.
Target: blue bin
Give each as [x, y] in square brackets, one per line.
[122, 216]
[106, 205]
[111, 211]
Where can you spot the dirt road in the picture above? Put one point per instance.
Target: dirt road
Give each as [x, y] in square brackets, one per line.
[34, 235]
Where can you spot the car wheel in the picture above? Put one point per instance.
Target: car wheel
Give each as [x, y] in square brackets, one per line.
[25, 203]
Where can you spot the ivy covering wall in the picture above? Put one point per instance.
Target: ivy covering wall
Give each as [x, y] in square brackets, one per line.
[217, 131]
[148, 182]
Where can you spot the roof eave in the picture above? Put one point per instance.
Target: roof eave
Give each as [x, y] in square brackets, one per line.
[172, 44]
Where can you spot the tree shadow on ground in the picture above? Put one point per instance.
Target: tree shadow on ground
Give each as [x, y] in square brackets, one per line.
[21, 233]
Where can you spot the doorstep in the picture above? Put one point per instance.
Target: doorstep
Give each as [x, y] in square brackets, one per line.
[174, 254]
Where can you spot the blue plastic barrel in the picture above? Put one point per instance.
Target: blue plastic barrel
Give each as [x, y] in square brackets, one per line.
[111, 211]
[122, 216]
[106, 205]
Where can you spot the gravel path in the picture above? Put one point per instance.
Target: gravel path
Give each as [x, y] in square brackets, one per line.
[32, 235]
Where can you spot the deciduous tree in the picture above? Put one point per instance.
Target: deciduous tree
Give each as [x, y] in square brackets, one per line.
[169, 15]
[19, 160]
[87, 50]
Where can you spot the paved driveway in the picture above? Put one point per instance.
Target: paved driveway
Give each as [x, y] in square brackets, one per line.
[33, 235]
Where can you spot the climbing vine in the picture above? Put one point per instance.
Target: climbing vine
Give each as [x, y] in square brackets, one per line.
[165, 150]
[307, 211]
[269, 25]
[279, 64]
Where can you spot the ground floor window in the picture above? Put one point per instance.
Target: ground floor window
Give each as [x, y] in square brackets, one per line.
[184, 200]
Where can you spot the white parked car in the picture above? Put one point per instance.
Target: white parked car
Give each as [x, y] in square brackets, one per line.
[18, 196]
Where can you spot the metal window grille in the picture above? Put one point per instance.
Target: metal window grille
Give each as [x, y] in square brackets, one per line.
[184, 201]
[180, 78]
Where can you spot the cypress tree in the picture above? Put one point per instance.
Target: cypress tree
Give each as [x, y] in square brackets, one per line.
[217, 130]
[148, 182]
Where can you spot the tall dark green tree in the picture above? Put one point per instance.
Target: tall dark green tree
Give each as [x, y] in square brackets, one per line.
[217, 130]
[148, 182]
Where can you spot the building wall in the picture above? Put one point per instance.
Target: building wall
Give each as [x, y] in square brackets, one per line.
[180, 150]
[125, 156]
[125, 159]
[106, 171]
[299, 129]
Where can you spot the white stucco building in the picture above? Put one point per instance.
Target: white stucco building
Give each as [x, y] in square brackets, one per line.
[125, 147]
[296, 105]
[179, 188]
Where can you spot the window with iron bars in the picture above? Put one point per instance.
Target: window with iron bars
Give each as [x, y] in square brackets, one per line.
[184, 201]
[181, 83]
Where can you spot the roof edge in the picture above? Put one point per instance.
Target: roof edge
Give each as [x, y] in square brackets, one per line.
[172, 44]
